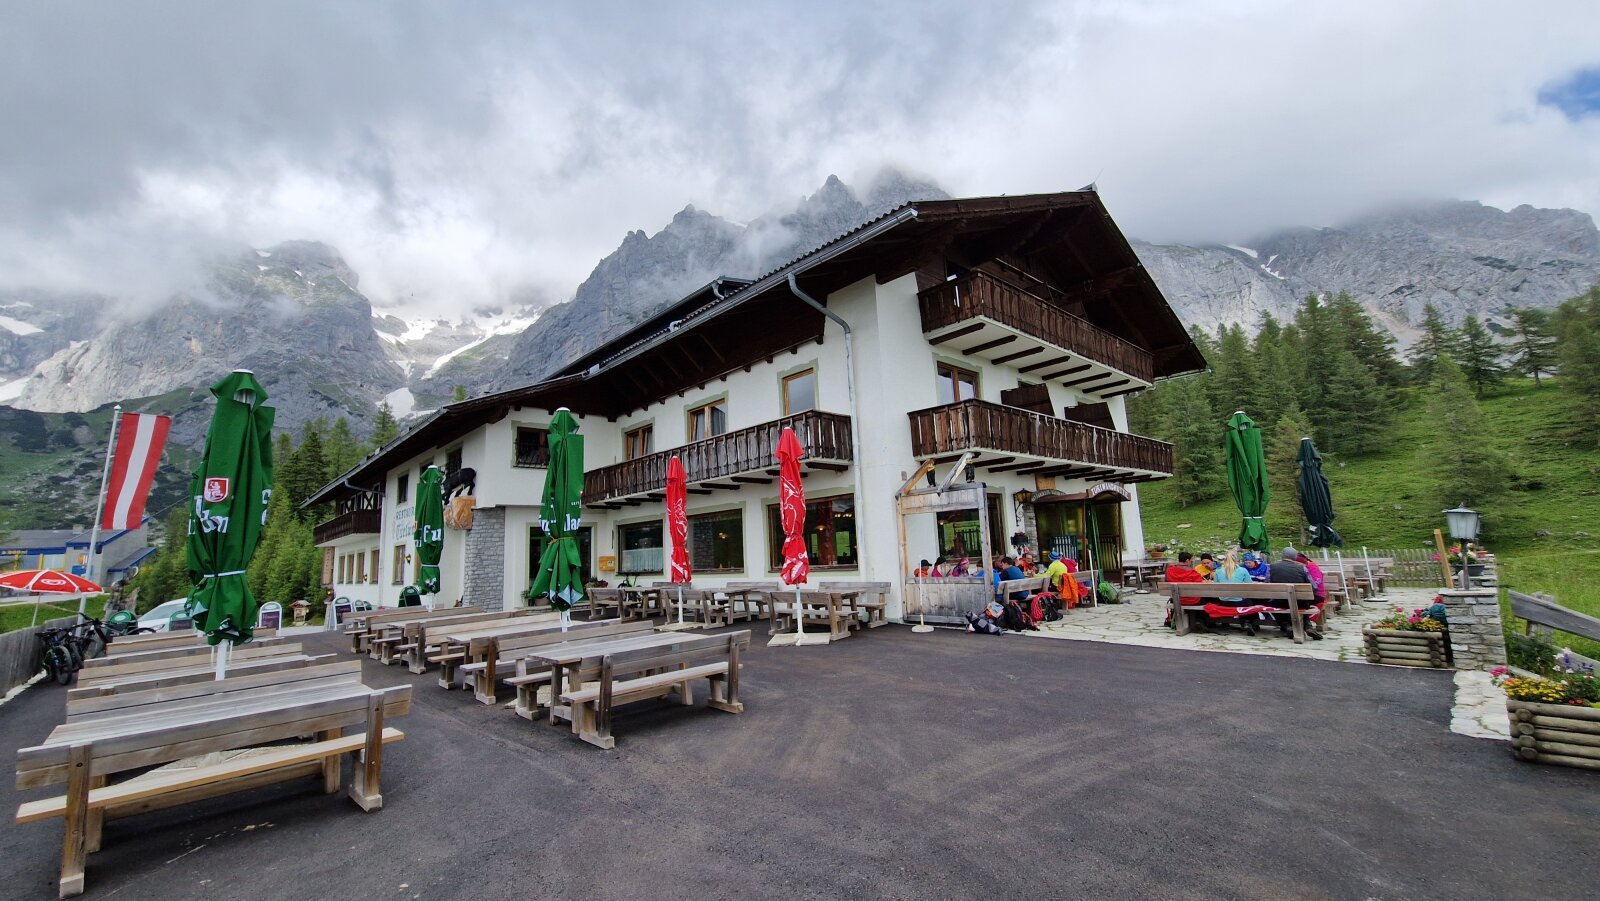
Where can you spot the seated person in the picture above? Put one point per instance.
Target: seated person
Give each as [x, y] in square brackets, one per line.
[1287, 568]
[963, 567]
[1061, 581]
[941, 567]
[1319, 588]
[1184, 571]
[1207, 567]
[1231, 570]
[924, 569]
[1256, 566]
[1006, 571]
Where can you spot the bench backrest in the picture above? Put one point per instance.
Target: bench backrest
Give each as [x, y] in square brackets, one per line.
[127, 644]
[417, 629]
[376, 617]
[692, 649]
[433, 633]
[1249, 590]
[510, 644]
[878, 588]
[129, 699]
[162, 678]
[603, 594]
[124, 667]
[1542, 610]
[755, 586]
[188, 728]
[187, 649]
[1032, 583]
[686, 586]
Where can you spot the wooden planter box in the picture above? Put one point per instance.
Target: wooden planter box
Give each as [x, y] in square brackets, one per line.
[1399, 648]
[1559, 734]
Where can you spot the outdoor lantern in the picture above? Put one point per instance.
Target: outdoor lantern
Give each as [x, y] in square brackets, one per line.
[1023, 496]
[1463, 523]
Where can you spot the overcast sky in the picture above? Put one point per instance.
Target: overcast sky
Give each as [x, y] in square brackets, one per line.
[457, 151]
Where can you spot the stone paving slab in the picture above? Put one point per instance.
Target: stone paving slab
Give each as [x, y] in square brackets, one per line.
[1479, 710]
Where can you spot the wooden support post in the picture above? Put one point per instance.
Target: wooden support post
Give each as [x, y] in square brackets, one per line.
[365, 788]
[332, 766]
[75, 844]
[1444, 559]
[97, 818]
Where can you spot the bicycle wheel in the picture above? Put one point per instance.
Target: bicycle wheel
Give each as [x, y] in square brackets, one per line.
[58, 665]
[93, 647]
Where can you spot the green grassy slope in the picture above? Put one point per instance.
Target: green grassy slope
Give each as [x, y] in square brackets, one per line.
[1382, 500]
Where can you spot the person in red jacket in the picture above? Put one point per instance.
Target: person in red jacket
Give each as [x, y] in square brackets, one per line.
[1184, 571]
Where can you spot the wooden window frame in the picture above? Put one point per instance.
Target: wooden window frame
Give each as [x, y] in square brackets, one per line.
[516, 434]
[744, 559]
[398, 571]
[706, 407]
[941, 367]
[775, 535]
[402, 488]
[648, 429]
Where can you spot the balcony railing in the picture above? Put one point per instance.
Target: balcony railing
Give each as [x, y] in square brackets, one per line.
[979, 294]
[980, 425]
[356, 522]
[824, 436]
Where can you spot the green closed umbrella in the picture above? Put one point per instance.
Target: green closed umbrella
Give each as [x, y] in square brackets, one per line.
[428, 533]
[1247, 479]
[228, 509]
[1315, 498]
[558, 578]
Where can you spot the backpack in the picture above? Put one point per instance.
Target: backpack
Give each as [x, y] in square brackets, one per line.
[1045, 608]
[1015, 619]
[982, 624]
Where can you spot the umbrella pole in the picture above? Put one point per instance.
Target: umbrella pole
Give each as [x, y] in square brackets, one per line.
[1368, 561]
[680, 605]
[799, 616]
[36, 598]
[922, 626]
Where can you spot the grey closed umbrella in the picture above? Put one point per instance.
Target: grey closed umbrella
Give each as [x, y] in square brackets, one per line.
[1315, 499]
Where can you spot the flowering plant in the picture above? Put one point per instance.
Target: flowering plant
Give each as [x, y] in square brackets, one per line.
[1418, 620]
[1461, 556]
[1575, 688]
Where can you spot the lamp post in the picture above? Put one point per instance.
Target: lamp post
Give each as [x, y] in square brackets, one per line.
[1463, 525]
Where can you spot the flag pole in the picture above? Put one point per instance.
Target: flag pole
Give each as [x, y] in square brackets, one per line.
[100, 506]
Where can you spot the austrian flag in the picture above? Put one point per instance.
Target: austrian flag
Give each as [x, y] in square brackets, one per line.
[140, 440]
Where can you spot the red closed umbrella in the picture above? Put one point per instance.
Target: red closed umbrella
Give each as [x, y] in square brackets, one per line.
[792, 512]
[678, 526]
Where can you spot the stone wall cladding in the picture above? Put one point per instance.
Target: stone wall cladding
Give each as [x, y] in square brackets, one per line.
[485, 557]
[1477, 637]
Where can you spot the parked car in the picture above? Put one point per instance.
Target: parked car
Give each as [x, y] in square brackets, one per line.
[158, 617]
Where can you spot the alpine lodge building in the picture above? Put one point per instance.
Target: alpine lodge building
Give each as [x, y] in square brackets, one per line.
[956, 370]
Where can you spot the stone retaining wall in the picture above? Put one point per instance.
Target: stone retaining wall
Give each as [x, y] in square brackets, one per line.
[1477, 637]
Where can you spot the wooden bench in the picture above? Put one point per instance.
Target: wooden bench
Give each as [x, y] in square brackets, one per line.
[107, 736]
[360, 627]
[833, 610]
[1297, 595]
[495, 657]
[1011, 589]
[755, 596]
[397, 642]
[450, 644]
[195, 673]
[528, 677]
[872, 598]
[127, 644]
[172, 652]
[626, 676]
[120, 668]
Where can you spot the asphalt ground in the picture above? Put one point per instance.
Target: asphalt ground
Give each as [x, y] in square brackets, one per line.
[894, 765]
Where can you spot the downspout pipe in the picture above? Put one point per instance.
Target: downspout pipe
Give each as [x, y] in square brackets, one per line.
[855, 417]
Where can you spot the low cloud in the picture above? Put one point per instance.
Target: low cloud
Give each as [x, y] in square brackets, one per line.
[464, 156]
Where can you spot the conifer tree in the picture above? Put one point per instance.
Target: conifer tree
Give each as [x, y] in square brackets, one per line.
[1438, 340]
[459, 394]
[1197, 439]
[1285, 514]
[1480, 355]
[1577, 327]
[1234, 382]
[1277, 379]
[384, 428]
[166, 577]
[341, 449]
[1462, 463]
[1371, 344]
[1532, 347]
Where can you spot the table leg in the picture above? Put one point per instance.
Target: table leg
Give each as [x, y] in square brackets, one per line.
[75, 843]
[365, 788]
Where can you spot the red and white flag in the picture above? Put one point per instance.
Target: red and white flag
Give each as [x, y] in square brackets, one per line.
[140, 440]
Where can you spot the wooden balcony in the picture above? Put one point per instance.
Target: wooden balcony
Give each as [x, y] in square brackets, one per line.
[1006, 439]
[728, 461]
[355, 522]
[980, 316]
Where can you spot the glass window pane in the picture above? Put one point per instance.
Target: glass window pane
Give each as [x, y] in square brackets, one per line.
[946, 390]
[719, 418]
[800, 393]
[716, 541]
[969, 384]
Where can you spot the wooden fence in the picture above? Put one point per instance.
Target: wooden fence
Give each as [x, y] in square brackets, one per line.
[19, 653]
[1413, 567]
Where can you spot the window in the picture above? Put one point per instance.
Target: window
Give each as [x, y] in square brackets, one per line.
[342, 576]
[716, 541]
[374, 566]
[830, 532]
[959, 536]
[402, 488]
[639, 442]
[956, 384]
[708, 420]
[643, 550]
[536, 542]
[800, 392]
[361, 569]
[533, 447]
[399, 575]
[452, 460]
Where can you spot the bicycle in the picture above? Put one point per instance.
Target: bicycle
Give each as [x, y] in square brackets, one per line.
[58, 656]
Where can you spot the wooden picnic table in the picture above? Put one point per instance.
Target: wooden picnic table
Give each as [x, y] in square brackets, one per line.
[640, 601]
[108, 736]
[660, 663]
[837, 610]
[452, 645]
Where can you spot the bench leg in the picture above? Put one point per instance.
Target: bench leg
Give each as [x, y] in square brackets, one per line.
[1297, 623]
[447, 675]
[97, 819]
[484, 684]
[333, 766]
[365, 787]
[416, 660]
[75, 844]
[725, 689]
[1180, 617]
